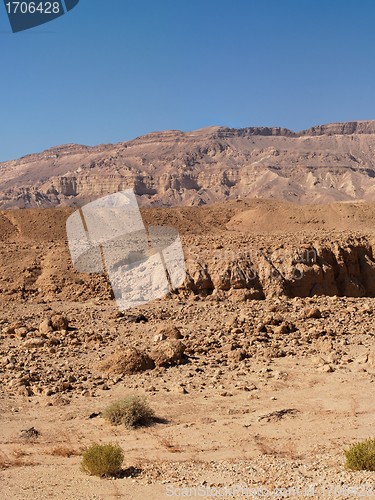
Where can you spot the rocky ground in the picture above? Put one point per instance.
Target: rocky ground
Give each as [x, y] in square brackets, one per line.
[253, 387]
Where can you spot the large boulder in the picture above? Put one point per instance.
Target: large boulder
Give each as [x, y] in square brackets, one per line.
[169, 331]
[126, 362]
[168, 353]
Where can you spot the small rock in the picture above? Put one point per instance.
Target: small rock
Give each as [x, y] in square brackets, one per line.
[34, 343]
[362, 359]
[327, 368]
[140, 318]
[159, 337]
[94, 414]
[21, 332]
[45, 326]
[151, 388]
[59, 322]
[312, 312]
[127, 361]
[237, 355]
[169, 331]
[180, 389]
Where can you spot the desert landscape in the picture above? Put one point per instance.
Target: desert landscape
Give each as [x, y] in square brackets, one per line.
[260, 368]
[187, 250]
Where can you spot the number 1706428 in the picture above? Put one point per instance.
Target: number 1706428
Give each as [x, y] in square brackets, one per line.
[33, 7]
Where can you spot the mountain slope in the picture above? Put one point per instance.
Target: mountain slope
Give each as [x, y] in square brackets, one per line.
[327, 163]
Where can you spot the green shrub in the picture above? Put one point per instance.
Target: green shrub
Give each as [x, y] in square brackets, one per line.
[132, 411]
[102, 460]
[361, 456]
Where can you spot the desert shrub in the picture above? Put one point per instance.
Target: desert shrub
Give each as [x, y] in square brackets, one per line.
[102, 460]
[132, 411]
[361, 456]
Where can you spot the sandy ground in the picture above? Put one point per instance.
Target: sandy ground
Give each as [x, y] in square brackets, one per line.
[216, 434]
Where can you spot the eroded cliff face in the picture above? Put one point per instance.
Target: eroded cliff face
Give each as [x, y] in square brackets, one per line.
[348, 128]
[343, 268]
[229, 249]
[333, 162]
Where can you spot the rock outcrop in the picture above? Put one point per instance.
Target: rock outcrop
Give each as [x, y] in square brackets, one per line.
[342, 268]
[249, 250]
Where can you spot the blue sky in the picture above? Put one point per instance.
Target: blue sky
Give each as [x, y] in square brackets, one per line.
[111, 70]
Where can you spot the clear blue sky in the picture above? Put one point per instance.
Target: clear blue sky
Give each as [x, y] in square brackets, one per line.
[111, 70]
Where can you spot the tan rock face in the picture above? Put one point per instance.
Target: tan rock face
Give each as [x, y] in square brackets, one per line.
[328, 268]
[325, 163]
[45, 326]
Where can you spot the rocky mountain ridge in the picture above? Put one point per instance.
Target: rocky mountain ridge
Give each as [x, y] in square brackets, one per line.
[323, 164]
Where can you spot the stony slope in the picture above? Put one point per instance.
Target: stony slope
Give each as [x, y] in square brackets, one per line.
[250, 249]
[322, 164]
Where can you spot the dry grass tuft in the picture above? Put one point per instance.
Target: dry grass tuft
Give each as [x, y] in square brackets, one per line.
[16, 461]
[168, 445]
[65, 451]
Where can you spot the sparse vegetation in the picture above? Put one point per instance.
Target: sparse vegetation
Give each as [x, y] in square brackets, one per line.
[361, 456]
[132, 411]
[64, 451]
[102, 460]
[30, 434]
[170, 446]
[17, 460]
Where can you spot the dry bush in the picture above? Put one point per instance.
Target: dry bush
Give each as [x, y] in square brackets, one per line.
[361, 456]
[132, 411]
[16, 461]
[263, 445]
[169, 445]
[102, 460]
[267, 447]
[64, 451]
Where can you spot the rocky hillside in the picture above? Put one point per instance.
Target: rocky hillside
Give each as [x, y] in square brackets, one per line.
[322, 164]
[249, 250]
